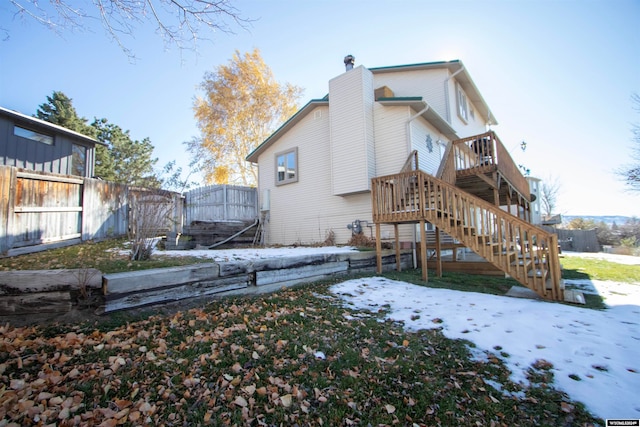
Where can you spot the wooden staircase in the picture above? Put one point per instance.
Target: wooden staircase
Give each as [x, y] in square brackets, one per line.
[525, 252]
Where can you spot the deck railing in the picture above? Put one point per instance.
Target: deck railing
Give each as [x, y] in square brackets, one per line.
[527, 253]
[484, 153]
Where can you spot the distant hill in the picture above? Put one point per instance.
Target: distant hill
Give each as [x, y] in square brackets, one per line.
[607, 219]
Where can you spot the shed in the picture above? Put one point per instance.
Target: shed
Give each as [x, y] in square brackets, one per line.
[34, 144]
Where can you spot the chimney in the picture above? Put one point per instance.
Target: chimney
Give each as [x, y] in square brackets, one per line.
[348, 62]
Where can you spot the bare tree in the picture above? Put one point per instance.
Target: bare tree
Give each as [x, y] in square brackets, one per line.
[151, 215]
[630, 173]
[549, 195]
[177, 21]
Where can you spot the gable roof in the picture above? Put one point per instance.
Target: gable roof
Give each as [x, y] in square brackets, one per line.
[417, 103]
[462, 77]
[23, 119]
[286, 126]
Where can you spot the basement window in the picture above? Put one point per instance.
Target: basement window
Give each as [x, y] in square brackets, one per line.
[287, 167]
[32, 135]
[463, 106]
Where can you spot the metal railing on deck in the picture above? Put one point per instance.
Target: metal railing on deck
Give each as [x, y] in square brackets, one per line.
[527, 253]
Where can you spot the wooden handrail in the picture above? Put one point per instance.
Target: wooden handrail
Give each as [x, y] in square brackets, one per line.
[483, 152]
[411, 163]
[527, 253]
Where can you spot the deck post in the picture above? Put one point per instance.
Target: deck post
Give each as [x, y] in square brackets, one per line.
[423, 251]
[397, 237]
[378, 250]
[439, 254]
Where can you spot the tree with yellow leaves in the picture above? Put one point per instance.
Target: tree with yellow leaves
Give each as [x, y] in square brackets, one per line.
[242, 105]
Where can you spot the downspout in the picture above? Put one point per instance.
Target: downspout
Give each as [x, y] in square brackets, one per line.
[412, 118]
[446, 93]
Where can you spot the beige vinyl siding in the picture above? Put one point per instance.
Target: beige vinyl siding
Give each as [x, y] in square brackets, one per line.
[428, 161]
[351, 135]
[392, 145]
[474, 125]
[304, 212]
[429, 84]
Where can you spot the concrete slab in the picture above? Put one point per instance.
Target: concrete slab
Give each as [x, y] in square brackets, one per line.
[573, 296]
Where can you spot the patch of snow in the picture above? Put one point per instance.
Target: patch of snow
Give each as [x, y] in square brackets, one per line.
[620, 259]
[602, 348]
[247, 254]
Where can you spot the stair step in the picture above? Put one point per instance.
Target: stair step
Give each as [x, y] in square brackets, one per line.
[522, 262]
[539, 273]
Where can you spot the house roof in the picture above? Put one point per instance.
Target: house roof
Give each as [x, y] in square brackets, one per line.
[25, 120]
[417, 103]
[293, 120]
[422, 107]
[463, 78]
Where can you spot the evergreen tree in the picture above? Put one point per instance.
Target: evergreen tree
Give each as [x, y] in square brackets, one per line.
[124, 160]
[59, 110]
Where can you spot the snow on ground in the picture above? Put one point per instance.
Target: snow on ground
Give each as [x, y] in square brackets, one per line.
[223, 255]
[601, 348]
[620, 259]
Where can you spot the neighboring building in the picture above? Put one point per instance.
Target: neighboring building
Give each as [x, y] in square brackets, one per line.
[535, 187]
[314, 172]
[30, 143]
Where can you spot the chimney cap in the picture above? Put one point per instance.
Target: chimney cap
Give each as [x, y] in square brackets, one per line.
[349, 59]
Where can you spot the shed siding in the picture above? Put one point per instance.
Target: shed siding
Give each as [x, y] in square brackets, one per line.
[351, 127]
[33, 155]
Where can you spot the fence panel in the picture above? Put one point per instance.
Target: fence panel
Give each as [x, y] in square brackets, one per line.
[105, 209]
[39, 210]
[221, 203]
[47, 208]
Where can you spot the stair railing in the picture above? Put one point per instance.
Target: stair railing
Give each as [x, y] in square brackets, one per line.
[525, 252]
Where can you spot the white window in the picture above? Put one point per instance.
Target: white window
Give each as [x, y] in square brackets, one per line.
[32, 135]
[287, 167]
[463, 107]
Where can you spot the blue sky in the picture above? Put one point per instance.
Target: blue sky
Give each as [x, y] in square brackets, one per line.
[556, 74]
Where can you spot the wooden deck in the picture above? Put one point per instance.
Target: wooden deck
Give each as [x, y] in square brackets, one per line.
[511, 244]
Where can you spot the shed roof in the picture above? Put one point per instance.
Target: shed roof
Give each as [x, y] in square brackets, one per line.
[23, 119]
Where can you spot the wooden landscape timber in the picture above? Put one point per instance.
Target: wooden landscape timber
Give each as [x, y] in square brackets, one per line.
[139, 288]
[44, 291]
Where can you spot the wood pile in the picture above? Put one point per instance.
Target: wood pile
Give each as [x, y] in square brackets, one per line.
[207, 233]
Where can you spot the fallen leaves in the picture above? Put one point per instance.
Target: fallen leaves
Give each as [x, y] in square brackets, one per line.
[290, 358]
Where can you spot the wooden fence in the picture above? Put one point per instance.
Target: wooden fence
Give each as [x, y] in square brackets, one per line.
[576, 240]
[40, 210]
[221, 203]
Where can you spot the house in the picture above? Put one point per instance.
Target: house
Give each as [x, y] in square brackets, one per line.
[394, 152]
[30, 143]
[319, 164]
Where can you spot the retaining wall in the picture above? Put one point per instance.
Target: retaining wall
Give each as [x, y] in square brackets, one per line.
[57, 291]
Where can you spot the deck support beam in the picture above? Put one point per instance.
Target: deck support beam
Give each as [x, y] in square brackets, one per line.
[397, 242]
[439, 254]
[378, 250]
[423, 251]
